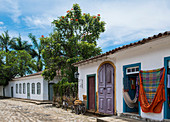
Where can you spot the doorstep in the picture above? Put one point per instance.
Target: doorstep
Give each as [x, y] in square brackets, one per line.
[116, 119]
[38, 102]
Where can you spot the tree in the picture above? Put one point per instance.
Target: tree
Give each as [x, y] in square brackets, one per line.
[19, 63]
[37, 52]
[18, 44]
[74, 39]
[5, 41]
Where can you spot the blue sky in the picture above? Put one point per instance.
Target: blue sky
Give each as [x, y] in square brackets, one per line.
[126, 20]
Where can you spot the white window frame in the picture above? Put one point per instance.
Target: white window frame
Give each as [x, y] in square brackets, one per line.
[20, 88]
[33, 88]
[132, 68]
[38, 88]
[23, 88]
[16, 88]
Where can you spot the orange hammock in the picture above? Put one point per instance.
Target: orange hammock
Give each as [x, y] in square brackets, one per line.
[156, 105]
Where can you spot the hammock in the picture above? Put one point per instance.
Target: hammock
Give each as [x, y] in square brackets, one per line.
[129, 102]
[152, 92]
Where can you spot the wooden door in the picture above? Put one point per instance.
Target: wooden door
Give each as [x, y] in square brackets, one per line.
[91, 90]
[105, 89]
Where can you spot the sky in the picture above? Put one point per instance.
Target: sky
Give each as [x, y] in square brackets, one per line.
[126, 20]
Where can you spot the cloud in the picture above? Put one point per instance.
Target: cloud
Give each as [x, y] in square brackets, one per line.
[38, 21]
[2, 27]
[130, 21]
[126, 21]
[11, 7]
[1, 23]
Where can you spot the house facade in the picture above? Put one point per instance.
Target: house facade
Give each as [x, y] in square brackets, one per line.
[102, 77]
[32, 86]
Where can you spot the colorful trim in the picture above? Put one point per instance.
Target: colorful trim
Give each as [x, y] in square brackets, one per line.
[166, 59]
[124, 76]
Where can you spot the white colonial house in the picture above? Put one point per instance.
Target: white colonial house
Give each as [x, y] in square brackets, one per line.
[32, 86]
[101, 77]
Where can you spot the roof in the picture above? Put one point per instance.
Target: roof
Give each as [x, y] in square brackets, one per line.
[34, 74]
[143, 41]
[38, 73]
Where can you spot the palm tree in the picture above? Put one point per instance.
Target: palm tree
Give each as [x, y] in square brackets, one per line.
[37, 52]
[18, 44]
[5, 41]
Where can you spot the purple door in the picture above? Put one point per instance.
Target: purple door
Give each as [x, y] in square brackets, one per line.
[105, 88]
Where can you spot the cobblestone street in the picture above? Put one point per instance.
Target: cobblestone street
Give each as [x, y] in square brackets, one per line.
[17, 111]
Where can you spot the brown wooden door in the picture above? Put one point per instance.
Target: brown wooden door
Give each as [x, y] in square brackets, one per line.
[91, 83]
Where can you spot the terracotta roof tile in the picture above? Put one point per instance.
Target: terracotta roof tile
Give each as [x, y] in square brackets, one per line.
[143, 41]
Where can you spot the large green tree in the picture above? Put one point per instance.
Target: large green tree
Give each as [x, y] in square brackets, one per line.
[37, 51]
[74, 39]
[18, 63]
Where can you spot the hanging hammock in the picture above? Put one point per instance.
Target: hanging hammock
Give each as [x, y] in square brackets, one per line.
[129, 102]
[152, 92]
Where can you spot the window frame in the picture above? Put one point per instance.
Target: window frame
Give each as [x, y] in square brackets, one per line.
[38, 88]
[24, 91]
[20, 88]
[33, 88]
[16, 88]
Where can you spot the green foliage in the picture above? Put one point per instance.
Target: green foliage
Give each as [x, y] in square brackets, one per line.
[37, 51]
[18, 44]
[63, 88]
[74, 39]
[15, 63]
[5, 41]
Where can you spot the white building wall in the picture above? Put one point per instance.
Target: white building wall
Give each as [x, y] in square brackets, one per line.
[45, 90]
[32, 79]
[85, 70]
[150, 55]
[46, 87]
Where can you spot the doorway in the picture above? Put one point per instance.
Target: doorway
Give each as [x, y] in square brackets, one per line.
[91, 92]
[106, 88]
[28, 90]
[167, 88]
[12, 92]
[131, 76]
[50, 91]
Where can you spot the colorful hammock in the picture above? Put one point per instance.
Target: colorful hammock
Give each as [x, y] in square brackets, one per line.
[152, 92]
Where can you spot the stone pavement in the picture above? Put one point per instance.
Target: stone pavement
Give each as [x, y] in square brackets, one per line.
[18, 111]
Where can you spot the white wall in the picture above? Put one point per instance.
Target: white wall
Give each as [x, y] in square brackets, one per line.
[45, 88]
[32, 79]
[85, 70]
[150, 55]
